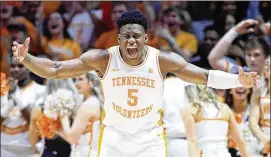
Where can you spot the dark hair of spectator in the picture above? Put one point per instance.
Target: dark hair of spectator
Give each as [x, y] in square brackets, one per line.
[258, 43]
[133, 17]
[220, 22]
[47, 33]
[210, 28]
[115, 3]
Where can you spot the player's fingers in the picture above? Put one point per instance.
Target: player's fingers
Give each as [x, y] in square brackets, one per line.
[26, 42]
[15, 43]
[14, 48]
[241, 72]
[252, 22]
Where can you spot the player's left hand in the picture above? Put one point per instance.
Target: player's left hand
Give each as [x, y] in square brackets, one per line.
[248, 79]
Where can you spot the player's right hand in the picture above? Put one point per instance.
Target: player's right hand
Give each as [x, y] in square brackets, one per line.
[246, 26]
[20, 50]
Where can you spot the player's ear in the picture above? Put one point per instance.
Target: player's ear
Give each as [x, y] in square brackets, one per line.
[118, 38]
[146, 38]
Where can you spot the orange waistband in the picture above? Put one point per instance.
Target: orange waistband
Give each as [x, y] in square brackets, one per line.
[16, 130]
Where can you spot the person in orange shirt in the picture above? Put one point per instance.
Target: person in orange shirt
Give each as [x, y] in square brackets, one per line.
[172, 38]
[108, 39]
[60, 45]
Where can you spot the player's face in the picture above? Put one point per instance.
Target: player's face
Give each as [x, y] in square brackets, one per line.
[82, 84]
[255, 59]
[132, 39]
[240, 93]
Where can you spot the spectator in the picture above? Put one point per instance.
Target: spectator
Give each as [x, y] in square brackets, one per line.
[6, 11]
[14, 126]
[260, 112]
[238, 101]
[81, 25]
[108, 39]
[211, 37]
[201, 17]
[55, 147]
[172, 38]
[60, 46]
[224, 22]
[87, 144]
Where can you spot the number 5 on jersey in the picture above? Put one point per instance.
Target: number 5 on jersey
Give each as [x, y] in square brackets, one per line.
[132, 95]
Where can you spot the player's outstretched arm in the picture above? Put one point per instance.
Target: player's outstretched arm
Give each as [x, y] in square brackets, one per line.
[91, 60]
[88, 111]
[216, 56]
[174, 63]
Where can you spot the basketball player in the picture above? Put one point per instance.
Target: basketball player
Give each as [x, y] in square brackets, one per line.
[132, 80]
[207, 123]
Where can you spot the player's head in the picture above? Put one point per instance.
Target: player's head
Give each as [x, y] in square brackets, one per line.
[256, 51]
[132, 37]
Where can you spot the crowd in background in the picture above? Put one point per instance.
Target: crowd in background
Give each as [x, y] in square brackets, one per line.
[63, 30]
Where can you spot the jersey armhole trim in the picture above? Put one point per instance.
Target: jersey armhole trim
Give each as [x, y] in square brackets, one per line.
[158, 65]
[108, 64]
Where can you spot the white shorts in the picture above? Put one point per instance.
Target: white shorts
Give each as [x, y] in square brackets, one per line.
[148, 143]
[177, 147]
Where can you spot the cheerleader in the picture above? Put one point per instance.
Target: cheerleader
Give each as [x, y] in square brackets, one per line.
[207, 122]
[87, 144]
[54, 146]
[260, 112]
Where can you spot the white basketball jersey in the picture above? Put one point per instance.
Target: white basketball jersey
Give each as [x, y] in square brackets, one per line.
[133, 94]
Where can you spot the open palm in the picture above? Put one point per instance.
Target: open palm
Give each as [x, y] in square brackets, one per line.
[20, 50]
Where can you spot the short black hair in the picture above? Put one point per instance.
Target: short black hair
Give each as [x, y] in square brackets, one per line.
[210, 28]
[133, 17]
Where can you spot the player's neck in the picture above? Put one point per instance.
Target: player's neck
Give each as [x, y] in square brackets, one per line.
[135, 62]
[239, 106]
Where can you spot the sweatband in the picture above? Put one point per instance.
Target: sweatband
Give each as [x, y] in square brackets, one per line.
[230, 35]
[221, 80]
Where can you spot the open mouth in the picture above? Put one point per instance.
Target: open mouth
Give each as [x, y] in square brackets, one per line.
[240, 91]
[54, 26]
[132, 51]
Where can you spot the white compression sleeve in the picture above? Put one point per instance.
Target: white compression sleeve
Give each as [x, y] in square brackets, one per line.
[222, 80]
[230, 35]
